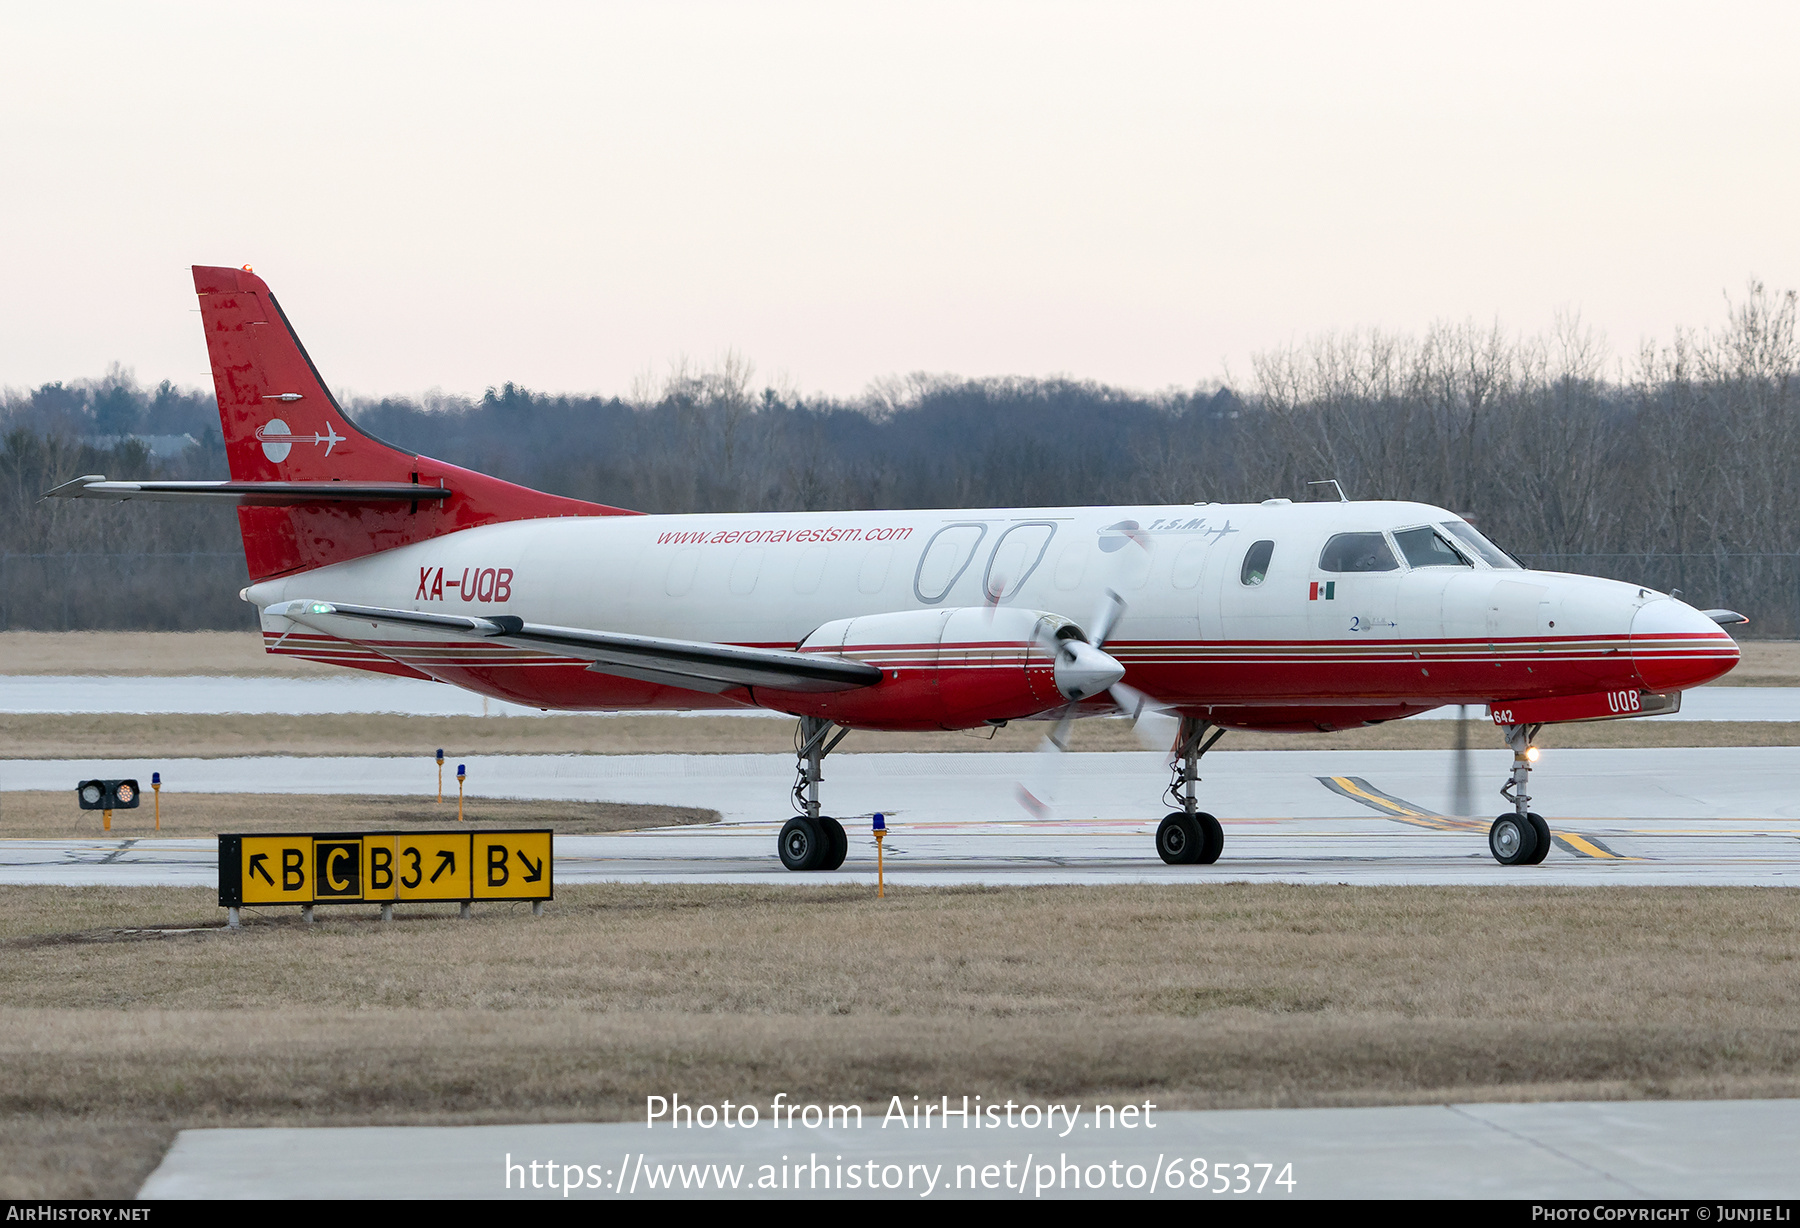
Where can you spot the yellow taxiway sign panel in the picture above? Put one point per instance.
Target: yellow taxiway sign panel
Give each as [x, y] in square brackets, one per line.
[380, 873]
[382, 867]
[276, 869]
[432, 866]
[512, 865]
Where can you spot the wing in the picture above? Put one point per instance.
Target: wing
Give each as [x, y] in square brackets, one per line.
[692, 664]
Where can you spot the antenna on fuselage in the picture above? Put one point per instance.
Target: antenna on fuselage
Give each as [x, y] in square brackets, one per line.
[1333, 483]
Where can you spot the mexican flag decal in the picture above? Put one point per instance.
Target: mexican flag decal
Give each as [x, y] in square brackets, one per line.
[1328, 590]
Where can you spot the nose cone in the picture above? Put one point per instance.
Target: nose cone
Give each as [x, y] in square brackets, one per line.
[1083, 670]
[1675, 646]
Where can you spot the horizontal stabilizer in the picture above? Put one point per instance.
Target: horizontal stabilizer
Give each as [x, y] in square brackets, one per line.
[691, 664]
[249, 494]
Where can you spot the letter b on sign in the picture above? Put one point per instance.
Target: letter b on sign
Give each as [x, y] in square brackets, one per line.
[496, 865]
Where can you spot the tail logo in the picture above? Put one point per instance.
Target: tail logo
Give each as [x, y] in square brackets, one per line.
[277, 441]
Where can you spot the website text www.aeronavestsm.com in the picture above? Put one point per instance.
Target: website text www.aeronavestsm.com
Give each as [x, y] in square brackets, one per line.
[824, 535]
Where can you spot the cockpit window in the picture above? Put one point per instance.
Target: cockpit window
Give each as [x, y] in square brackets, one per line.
[1490, 554]
[1256, 563]
[1358, 552]
[1426, 547]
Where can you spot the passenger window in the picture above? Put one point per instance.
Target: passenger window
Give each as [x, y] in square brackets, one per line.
[1426, 547]
[1358, 552]
[1256, 563]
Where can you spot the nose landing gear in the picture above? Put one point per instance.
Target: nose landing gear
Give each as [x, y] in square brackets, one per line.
[812, 841]
[1521, 838]
[1189, 836]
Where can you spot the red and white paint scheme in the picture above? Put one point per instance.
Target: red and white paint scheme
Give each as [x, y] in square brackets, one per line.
[1269, 616]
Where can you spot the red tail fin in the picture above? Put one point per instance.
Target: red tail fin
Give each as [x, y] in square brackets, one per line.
[283, 425]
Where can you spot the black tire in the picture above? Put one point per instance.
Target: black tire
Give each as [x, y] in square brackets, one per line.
[1543, 839]
[1214, 836]
[837, 844]
[1179, 840]
[801, 846]
[1512, 840]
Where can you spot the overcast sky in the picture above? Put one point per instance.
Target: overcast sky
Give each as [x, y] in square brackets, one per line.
[451, 196]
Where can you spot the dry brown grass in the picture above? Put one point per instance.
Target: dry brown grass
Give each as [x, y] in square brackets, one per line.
[175, 653]
[1219, 996]
[148, 654]
[40, 814]
[91, 736]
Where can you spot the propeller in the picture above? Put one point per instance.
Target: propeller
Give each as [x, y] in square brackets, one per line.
[1462, 768]
[1082, 671]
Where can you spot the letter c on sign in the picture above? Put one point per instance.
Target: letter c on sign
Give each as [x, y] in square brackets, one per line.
[331, 861]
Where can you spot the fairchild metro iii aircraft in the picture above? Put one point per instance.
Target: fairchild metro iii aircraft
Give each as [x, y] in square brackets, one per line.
[1268, 616]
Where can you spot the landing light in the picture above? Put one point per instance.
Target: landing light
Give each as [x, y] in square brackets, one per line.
[1531, 754]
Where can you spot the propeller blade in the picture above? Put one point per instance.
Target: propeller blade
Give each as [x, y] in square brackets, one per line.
[1462, 768]
[1037, 792]
[1153, 725]
[1105, 618]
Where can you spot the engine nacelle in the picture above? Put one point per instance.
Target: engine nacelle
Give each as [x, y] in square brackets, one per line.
[958, 668]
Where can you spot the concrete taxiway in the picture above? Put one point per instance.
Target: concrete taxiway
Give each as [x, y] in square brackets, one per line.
[205, 695]
[1718, 816]
[1630, 1150]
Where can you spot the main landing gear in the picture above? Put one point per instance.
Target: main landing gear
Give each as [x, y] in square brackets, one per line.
[812, 841]
[1189, 836]
[1521, 838]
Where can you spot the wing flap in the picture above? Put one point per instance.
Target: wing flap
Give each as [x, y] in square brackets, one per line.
[693, 664]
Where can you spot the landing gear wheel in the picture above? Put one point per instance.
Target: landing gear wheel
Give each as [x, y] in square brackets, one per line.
[1179, 840]
[836, 845]
[1543, 839]
[1512, 840]
[801, 845]
[1189, 840]
[1215, 838]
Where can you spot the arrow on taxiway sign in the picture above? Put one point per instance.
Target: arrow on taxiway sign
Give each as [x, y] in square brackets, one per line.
[446, 861]
[257, 867]
[537, 870]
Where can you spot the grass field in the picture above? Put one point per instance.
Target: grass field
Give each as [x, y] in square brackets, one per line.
[118, 1026]
[44, 815]
[179, 653]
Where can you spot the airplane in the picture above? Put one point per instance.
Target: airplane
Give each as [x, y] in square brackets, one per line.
[1309, 616]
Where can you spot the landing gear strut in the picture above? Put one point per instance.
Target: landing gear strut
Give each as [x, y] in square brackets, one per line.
[1521, 838]
[812, 841]
[1190, 836]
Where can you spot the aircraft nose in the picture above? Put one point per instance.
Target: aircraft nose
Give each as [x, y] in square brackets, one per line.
[1674, 646]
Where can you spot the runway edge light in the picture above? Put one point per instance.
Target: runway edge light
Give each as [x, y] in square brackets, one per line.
[878, 824]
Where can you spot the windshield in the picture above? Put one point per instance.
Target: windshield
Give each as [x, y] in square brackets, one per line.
[1490, 554]
[1358, 552]
[1426, 547]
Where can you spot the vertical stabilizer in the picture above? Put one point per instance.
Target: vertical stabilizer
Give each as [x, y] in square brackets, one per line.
[282, 424]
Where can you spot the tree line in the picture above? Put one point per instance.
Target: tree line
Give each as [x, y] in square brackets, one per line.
[1677, 465]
